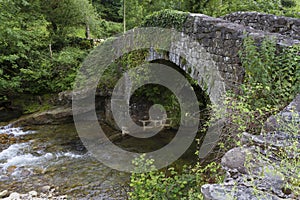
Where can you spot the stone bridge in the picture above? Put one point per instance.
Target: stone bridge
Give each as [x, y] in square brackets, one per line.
[221, 40]
[214, 62]
[206, 48]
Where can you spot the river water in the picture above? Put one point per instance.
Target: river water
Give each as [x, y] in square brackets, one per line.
[53, 155]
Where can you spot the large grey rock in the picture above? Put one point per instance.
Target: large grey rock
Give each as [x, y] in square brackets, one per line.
[230, 192]
[235, 159]
[281, 121]
[57, 115]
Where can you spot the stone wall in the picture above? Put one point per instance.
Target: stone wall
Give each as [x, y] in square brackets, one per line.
[267, 22]
[223, 40]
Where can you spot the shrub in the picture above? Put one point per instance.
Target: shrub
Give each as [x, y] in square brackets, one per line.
[272, 76]
[170, 184]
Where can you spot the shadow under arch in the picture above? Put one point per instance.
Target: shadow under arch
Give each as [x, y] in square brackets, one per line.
[204, 103]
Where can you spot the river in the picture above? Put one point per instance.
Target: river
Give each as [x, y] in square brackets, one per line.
[53, 155]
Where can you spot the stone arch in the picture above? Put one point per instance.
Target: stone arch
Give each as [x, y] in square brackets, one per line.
[187, 72]
[199, 65]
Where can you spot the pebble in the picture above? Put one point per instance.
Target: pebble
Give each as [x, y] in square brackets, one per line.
[14, 196]
[33, 193]
[4, 193]
[11, 169]
[45, 188]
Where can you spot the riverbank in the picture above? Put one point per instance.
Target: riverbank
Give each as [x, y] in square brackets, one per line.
[47, 193]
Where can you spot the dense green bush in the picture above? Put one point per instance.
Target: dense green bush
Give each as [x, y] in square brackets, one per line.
[170, 185]
[42, 44]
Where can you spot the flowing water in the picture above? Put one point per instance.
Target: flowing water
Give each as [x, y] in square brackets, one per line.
[53, 155]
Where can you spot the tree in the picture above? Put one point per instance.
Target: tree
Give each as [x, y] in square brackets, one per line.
[137, 10]
[108, 9]
[64, 15]
[22, 40]
[26, 64]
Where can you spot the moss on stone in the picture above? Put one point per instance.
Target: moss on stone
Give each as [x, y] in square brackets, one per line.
[166, 19]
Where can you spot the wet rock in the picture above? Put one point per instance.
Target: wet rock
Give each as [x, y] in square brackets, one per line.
[4, 193]
[45, 188]
[8, 139]
[14, 196]
[11, 169]
[25, 173]
[58, 115]
[33, 193]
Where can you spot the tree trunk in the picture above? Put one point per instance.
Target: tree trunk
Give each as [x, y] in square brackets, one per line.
[87, 31]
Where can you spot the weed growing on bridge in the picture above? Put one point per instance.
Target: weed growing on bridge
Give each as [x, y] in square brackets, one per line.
[271, 82]
[166, 19]
[272, 75]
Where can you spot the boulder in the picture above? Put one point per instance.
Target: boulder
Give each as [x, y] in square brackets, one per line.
[290, 114]
[230, 192]
[57, 115]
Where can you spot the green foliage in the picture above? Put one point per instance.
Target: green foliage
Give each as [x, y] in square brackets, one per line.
[108, 9]
[39, 44]
[269, 6]
[22, 38]
[67, 14]
[64, 67]
[166, 19]
[136, 10]
[221, 7]
[271, 82]
[171, 184]
[109, 28]
[272, 78]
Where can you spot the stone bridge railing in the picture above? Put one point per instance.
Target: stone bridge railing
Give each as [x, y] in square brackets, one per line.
[266, 22]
